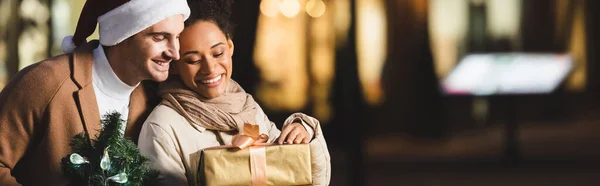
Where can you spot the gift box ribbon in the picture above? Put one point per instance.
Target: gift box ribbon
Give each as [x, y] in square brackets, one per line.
[256, 142]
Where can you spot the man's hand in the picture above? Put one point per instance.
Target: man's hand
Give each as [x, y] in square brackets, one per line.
[294, 133]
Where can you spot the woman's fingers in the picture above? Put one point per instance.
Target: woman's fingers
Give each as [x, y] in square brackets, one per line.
[306, 140]
[301, 138]
[284, 133]
[294, 133]
[291, 138]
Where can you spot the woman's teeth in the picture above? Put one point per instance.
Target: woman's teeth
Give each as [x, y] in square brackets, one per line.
[212, 80]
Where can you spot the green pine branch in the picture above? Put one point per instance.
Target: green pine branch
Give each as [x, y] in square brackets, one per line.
[124, 158]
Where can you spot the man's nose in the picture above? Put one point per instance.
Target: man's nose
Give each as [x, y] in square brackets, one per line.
[173, 50]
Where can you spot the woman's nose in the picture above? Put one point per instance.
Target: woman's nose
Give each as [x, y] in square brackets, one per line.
[208, 66]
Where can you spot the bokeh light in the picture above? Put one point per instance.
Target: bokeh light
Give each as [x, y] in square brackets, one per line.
[289, 8]
[315, 8]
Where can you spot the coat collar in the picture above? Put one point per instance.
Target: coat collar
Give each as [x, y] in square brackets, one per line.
[82, 63]
[85, 98]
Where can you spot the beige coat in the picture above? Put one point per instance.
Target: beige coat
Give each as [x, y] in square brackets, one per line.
[43, 107]
[173, 145]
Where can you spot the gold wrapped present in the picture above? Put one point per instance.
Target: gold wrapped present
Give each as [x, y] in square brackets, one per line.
[249, 162]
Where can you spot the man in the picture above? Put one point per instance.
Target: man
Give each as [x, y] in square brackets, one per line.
[49, 102]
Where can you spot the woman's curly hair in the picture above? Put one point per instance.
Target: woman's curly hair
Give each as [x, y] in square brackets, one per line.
[216, 11]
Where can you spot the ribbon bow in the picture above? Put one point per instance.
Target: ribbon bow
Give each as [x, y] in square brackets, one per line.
[256, 143]
[251, 137]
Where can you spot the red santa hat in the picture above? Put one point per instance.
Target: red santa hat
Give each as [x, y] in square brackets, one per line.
[121, 19]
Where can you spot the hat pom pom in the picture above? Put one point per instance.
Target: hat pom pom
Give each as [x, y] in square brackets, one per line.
[68, 45]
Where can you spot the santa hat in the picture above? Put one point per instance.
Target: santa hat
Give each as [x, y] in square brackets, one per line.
[121, 19]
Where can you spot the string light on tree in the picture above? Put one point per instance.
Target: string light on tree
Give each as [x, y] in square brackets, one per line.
[108, 159]
[77, 159]
[119, 178]
[105, 162]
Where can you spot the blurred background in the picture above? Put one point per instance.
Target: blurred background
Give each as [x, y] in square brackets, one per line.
[382, 77]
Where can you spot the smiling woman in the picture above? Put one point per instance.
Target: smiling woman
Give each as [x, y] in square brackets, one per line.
[206, 59]
[203, 107]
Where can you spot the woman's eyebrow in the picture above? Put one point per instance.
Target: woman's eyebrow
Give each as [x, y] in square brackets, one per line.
[220, 43]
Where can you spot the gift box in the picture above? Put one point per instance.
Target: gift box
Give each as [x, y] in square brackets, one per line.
[247, 162]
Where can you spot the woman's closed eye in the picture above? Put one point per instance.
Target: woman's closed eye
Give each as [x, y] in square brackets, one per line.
[219, 54]
[192, 61]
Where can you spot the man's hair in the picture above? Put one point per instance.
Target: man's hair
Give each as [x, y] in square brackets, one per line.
[216, 11]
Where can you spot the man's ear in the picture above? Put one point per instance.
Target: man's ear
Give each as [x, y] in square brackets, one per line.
[231, 47]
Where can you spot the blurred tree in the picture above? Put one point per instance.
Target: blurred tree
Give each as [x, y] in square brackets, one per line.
[10, 29]
[413, 98]
[24, 35]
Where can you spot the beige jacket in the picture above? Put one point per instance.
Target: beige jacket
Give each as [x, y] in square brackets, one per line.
[173, 145]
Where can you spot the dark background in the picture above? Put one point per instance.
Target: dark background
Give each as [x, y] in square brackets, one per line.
[420, 137]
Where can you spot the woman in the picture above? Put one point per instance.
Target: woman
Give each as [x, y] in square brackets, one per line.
[203, 107]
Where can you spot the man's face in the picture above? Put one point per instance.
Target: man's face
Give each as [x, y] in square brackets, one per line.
[149, 53]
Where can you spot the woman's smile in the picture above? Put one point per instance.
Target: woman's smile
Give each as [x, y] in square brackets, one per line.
[211, 82]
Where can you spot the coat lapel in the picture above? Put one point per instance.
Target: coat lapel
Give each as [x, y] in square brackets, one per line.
[88, 108]
[85, 98]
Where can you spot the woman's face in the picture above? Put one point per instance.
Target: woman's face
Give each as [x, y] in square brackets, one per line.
[205, 63]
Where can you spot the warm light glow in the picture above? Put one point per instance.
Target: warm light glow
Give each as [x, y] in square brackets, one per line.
[315, 8]
[420, 8]
[322, 62]
[503, 18]
[371, 45]
[61, 25]
[35, 11]
[269, 7]
[280, 55]
[341, 20]
[295, 55]
[577, 48]
[33, 45]
[33, 41]
[289, 8]
[448, 21]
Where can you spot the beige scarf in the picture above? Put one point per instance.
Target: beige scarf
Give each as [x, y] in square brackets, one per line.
[227, 112]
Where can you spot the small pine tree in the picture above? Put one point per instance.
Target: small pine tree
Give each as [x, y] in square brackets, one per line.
[109, 159]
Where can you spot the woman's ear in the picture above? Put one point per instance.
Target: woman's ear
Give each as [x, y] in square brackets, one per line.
[172, 68]
[230, 43]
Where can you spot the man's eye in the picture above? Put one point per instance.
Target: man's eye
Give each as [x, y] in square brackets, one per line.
[159, 38]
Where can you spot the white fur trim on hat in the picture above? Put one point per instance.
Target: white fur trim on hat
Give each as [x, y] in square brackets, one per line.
[68, 45]
[135, 16]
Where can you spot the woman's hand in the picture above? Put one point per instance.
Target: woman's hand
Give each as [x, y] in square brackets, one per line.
[294, 133]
